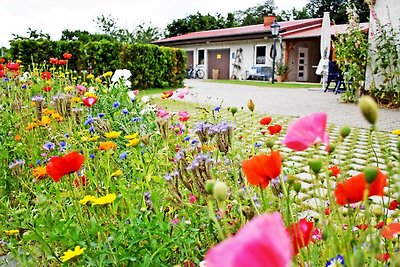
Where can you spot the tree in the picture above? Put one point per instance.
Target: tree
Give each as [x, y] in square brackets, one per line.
[337, 9]
[293, 14]
[32, 35]
[145, 34]
[255, 15]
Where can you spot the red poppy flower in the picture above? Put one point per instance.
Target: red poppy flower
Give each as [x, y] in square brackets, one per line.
[1, 74]
[362, 226]
[12, 66]
[391, 230]
[53, 60]
[1, 67]
[167, 94]
[265, 120]
[67, 56]
[2, 60]
[394, 204]
[383, 257]
[47, 88]
[327, 210]
[89, 101]
[261, 169]
[46, 75]
[62, 62]
[379, 225]
[274, 129]
[352, 190]
[300, 234]
[335, 171]
[60, 166]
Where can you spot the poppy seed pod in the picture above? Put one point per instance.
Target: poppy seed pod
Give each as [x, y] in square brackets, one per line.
[345, 131]
[315, 165]
[209, 186]
[233, 110]
[250, 105]
[368, 108]
[220, 191]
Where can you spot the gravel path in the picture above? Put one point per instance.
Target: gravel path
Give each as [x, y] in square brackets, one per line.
[289, 102]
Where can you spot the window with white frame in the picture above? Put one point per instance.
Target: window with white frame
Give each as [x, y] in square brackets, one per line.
[200, 57]
[261, 54]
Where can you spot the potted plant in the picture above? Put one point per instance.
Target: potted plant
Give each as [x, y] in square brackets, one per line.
[281, 69]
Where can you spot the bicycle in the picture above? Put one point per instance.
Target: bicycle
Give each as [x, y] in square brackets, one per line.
[194, 73]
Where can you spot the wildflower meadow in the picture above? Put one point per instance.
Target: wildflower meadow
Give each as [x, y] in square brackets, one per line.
[97, 174]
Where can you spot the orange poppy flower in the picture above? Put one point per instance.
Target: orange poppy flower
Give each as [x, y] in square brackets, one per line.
[391, 230]
[107, 145]
[60, 166]
[352, 190]
[261, 169]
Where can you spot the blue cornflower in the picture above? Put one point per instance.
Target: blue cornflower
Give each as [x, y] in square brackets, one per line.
[91, 129]
[23, 86]
[125, 111]
[48, 146]
[66, 135]
[194, 142]
[116, 104]
[63, 144]
[336, 261]
[187, 138]
[91, 156]
[136, 119]
[257, 145]
[38, 162]
[89, 121]
[100, 115]
[123, 155]
[217, 108]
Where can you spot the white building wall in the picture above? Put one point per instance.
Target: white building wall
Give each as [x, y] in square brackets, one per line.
[248, 54]
[387, 11]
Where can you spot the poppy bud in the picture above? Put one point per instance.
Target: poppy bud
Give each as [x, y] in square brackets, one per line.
[369, 108]
[370, 173]
[297, 186]
[250, 105]
[378, 212]
[315, 165]
[220, 191]
[209, 186]
[331, 148]
[233, 110]
[345, 131]
[291, 179]
[270, 143]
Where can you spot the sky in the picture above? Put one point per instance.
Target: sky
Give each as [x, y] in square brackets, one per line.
[54, 16]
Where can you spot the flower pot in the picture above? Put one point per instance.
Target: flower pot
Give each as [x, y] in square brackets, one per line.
[279, 79]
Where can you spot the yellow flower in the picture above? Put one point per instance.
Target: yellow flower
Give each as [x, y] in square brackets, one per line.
[18, 61]
[112, 134]
[11, 232]
[61, 75]
[94, 138]
[31, 126]
[90, 77]
[47, 111]
[116, 173]
[87, 199]
[98, 80]
[108, 74]
[52, 69]
[57, 117]
[68, 88]
[131, 136]
[76, 99]
[107, 199]
[45, 121]
[90, 94]
[396, 132]
[133, 142]
[72, 254]
[39, 172]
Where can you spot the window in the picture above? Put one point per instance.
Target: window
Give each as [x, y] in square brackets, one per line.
[200, 57]
[261, 55]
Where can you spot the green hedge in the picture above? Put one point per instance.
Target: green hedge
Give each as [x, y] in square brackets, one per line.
[151, 66]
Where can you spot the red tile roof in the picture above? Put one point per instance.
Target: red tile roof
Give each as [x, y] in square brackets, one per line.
[238, 31]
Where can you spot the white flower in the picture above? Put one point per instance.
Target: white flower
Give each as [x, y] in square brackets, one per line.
[128, 84]
[121, 74]
[92, 89]
[145, 99]
[131, 95]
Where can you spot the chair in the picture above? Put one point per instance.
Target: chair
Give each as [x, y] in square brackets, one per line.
[335, 75]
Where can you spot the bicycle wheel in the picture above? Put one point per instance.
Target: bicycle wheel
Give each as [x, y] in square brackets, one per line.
[200, 74]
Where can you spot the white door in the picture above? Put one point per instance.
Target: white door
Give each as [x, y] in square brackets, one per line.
[302, 64]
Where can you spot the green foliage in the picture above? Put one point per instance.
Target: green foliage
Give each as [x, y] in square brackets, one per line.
[387, 64]
[256, 14]
[293, 14]
[337, 9]
[151, 66]
[351, 51]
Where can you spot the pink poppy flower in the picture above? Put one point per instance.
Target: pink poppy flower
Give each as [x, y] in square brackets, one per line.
[183, 116]
[262, 242]
[182, 92]
[307, 131]
[192, 198]
[162, 113]
[89, 101]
